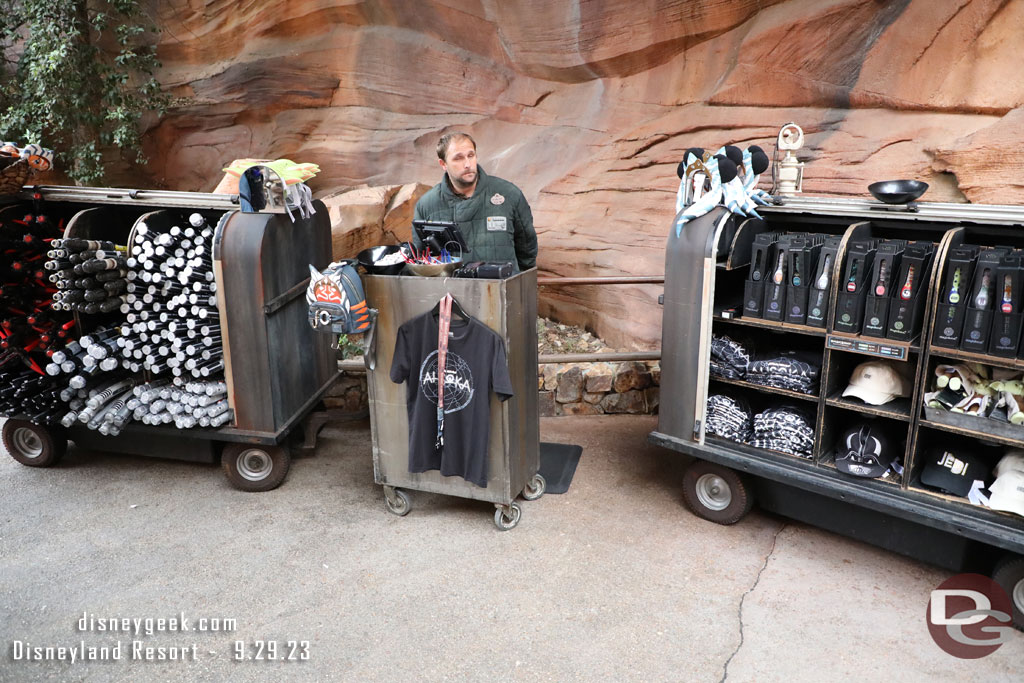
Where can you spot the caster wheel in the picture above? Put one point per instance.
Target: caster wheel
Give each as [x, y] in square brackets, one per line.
[716, 493]
[534, 488]
[1009, 574]
[507, 518]
[255, 468]
[399, 505]
[32, 444]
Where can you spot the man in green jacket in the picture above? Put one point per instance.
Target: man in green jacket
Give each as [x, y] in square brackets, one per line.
[492, 213]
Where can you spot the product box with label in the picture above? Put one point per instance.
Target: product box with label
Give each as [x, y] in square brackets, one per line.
[853, 288]
[884, 271]
[821, 282]
[761, 258]
[1004, 339]
[952, 308]
[802, 255]
[910, 292]
[978, 320]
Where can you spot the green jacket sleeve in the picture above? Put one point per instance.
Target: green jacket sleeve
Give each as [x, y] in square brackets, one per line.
[525, 237]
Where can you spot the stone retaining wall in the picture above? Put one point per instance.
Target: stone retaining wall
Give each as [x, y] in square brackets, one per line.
[564, 389]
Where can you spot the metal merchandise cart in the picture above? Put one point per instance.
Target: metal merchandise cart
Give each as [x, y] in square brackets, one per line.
[509, 307]
[705, 268]
[277, 368]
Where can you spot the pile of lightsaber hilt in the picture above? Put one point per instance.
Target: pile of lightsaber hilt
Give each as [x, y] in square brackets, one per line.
[29, 327]
[90, 275]
[171, 314]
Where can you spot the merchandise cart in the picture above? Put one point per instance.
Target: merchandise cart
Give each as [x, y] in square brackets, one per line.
[509, 307]
[276, 367]
[708, 288]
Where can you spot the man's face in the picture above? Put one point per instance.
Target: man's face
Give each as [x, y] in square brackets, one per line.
[460, 164]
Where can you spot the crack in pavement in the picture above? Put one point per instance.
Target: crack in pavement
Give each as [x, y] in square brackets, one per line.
[757, 580]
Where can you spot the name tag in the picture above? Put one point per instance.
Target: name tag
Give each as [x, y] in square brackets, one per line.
[497, 224]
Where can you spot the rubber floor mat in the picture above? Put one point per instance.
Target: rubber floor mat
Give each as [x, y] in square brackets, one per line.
[558, 465]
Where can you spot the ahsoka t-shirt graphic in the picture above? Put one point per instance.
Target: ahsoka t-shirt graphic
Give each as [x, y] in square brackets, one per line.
[475, 367]
[458, 382]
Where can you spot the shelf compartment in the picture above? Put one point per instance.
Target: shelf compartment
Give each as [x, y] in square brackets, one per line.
[813, 398]
[754, 450]
[975, 427]
[878, 347]
[898, 409]
[984, 359]
[772, 325]
[999, 515]
[863, 481]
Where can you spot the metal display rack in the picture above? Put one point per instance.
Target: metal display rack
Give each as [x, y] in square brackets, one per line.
[276, 367]
[509, 307]
[703, 291]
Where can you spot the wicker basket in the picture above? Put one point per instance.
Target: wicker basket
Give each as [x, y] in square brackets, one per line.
[15, 176]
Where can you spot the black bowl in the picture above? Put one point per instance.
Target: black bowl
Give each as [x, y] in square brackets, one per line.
[897, 191]
[368, 258]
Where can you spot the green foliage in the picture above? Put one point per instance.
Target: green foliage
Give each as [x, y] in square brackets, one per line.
[349, 347]
[76, 76]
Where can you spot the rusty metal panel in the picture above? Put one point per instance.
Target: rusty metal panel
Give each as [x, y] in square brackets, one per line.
[509, 308]
[275, 360]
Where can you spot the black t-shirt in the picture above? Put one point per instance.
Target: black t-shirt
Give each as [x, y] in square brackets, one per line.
[475, 366]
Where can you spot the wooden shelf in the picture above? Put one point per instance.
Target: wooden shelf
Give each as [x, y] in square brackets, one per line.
[898, 409]
[773, 325]
[831, 464]
[813, 398]
[983, 358]
[960, 500]
[808, 460]
[983, 430]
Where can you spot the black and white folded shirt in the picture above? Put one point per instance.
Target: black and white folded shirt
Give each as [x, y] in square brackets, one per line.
[786, 428]
[793, 370]
[728, 417]
[729, 358]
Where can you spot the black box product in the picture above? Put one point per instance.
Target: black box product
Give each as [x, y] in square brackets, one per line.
[978, 321]
[760, 263]
[949, 316]
[880, 287]
[774, 306]
[802, 256]
[1004, 339]
[853, 288]
[821, 283]
[910, 292]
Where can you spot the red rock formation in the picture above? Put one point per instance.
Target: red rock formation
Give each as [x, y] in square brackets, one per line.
[588, 105]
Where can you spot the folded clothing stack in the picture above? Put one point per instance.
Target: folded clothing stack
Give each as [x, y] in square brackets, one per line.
[791, 370]
[728, 417]
[728, 358]
[786, 428]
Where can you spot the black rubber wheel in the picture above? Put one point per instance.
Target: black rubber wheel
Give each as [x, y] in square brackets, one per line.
[504, 521]
[255, 468]
[716, 493]
[401, 506]
[1009, 573]
[32, 444]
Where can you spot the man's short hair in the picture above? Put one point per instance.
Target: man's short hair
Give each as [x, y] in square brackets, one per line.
[447, 139]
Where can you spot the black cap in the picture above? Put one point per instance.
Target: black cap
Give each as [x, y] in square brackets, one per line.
[953, 471]
[758, 159]
[726, 169]
[864, 450]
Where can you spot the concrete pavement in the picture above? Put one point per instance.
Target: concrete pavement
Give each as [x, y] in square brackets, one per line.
[613, 581]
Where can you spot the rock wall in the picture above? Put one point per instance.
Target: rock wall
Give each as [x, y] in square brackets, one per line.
[589, 104]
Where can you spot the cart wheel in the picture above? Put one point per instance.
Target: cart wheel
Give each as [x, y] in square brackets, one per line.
[506, 518]
[397, 502]
[1009, 573]
[535, 488]
[716, 493]
[32, 444]
[255, 468]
